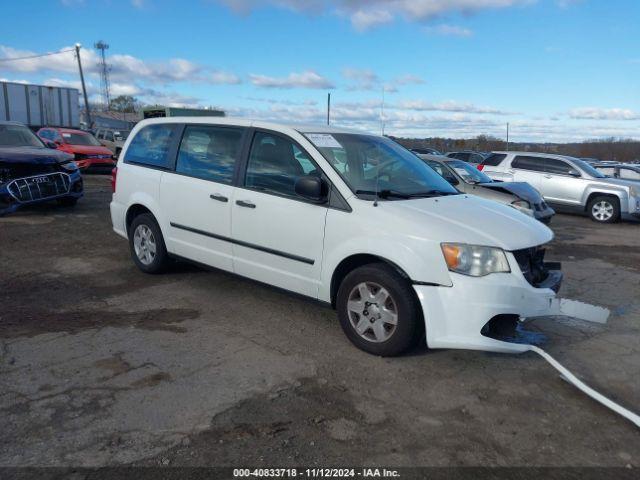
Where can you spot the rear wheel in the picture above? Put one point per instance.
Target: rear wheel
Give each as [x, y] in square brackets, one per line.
[378, 310]
[604, 209]
[147, 244]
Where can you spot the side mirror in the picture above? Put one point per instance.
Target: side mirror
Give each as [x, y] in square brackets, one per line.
[51, 144]
[574, 173]
[312, 188]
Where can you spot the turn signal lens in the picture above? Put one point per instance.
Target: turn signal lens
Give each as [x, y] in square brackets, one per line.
[451, 254]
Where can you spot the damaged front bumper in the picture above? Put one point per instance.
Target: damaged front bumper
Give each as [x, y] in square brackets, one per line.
[45, 187]
[457, 316]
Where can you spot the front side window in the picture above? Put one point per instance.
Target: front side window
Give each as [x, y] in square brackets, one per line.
[559, 167]
[443, 171]
[18, 136]
[209, 153]
[524, 162]
[108, 136]
[370, 164]
[275, 163]
[151, 145]
[468, 173]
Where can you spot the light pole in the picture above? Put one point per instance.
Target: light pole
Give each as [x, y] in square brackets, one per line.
[84, 88]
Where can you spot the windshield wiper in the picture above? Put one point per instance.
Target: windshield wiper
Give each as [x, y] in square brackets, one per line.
[385, 193]
[432, 193]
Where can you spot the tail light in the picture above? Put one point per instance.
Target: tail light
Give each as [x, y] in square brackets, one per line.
[480, 166]
[114, 177]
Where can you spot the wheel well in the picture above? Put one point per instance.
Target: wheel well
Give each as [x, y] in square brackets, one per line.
[597, 194]
[351, 263]
[133, 212]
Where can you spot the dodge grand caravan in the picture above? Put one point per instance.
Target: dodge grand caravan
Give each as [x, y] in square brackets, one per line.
[345, 217]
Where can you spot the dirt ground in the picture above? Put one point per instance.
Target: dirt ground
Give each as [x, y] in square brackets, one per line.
[101, 364]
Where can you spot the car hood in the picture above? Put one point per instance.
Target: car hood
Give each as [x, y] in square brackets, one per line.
[469, 219]
[520, 189]
[90, 149]
[621, 182]
[38, 155]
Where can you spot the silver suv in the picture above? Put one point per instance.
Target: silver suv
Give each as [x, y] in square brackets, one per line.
[568, 183]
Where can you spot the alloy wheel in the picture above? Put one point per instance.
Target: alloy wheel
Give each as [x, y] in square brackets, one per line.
[144, 244]
[602, 211]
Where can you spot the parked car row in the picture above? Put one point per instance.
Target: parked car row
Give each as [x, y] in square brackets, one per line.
[468, 179]
[568, 184]
[88, 153]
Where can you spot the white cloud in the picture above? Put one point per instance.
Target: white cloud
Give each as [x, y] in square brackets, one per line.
[365, 14]
[124, 68]
[449, 30]
[306, 79]
[448, 106]
[592, 113]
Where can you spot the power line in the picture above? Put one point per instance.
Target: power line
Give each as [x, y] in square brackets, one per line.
[35, 56]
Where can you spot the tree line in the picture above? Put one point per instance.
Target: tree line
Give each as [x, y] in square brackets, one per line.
[616, 149]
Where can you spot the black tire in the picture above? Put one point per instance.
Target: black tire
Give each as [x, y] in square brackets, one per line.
[160, 259]
[410, 322]
[68, 201]
[605, 200]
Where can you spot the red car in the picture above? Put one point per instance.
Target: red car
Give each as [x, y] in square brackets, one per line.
[89, 154]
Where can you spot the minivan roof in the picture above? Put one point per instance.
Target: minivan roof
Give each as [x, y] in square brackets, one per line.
[246, 122]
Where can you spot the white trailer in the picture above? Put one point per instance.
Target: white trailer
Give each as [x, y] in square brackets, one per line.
[39, 105]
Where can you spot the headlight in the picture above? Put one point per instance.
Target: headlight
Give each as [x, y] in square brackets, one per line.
[521, 204]
[69, 166]
[474, 260]
[633, 191]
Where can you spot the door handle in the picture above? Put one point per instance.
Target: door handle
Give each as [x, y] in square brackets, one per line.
[242, 203]
[218, 197]
[547, 176]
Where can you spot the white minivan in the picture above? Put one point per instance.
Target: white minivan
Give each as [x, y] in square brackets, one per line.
[341, 216]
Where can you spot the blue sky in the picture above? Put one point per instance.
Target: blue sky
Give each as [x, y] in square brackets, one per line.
[556, 70]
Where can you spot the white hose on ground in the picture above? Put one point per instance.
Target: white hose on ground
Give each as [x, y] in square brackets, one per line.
[570, 377]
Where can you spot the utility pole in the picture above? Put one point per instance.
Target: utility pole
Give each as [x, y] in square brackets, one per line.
[328, 107]
[382, 112]
[84, 88]
[104, 73]
[507, 136]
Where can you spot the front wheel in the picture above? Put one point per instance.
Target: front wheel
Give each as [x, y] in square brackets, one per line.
[147, 244]
[604, 209]
[378, 310]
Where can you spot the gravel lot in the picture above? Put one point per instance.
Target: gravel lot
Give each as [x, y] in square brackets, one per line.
[101, 364]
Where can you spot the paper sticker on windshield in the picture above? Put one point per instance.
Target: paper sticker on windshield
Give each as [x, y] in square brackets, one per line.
[66, 135]
[323, 140]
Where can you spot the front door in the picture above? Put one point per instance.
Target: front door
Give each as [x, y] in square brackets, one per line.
[278, 235]
[561, 182]
[197, 197]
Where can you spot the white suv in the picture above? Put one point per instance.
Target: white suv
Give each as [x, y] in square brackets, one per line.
[348, 218]
[568, 184]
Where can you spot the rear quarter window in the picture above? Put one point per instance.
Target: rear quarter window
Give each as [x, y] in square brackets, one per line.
[494, 159]
[523, 162]
[152, 146]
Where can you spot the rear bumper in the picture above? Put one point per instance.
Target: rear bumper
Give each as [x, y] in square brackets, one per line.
[455, 316]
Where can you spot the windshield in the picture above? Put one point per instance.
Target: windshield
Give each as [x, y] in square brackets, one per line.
[469, 173]
[18, 136]
[80, 139]
[588, 169]
[370, 164]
